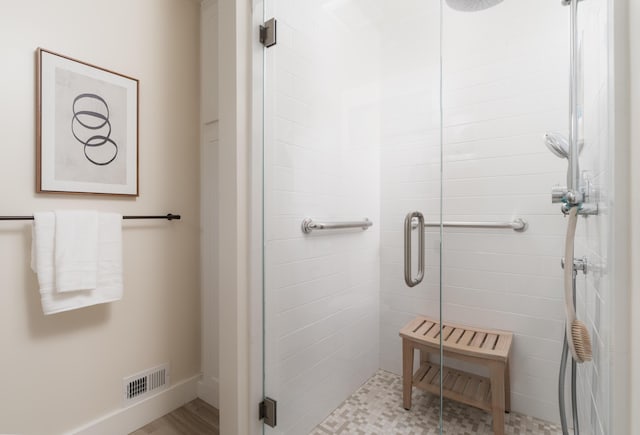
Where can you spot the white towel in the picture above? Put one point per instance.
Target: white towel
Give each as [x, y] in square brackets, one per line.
[76, 250]
[110, 256]
[42, 250]
[109, 285]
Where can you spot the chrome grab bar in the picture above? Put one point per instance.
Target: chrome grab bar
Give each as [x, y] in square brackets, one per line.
[309, 225]
[518, 224]
[408, 226]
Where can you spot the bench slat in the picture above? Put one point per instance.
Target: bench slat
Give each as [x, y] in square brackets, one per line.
[446, 332]
[503, 343]
[483, 392]
[455, 335]
[434, 332]
[431, 374]
[466, 337]
[478, 339]
[416, 323]
[471, 388]
[425, 328]
[420, 374]
[460, 384]
[490, 342]
[449, 380]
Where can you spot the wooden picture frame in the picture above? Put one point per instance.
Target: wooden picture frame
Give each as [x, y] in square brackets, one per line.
[87, 128]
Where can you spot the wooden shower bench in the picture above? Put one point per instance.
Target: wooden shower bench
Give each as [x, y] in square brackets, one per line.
[489, 348]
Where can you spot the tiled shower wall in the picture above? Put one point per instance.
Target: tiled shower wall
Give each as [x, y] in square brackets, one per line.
[594, 291]
[505, 84]
[322, 161]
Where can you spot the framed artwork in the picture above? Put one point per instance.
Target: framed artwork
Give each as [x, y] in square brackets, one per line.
[87, 128]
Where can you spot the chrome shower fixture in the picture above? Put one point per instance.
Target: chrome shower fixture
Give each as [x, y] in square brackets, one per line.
[471, 5]
[559, 145]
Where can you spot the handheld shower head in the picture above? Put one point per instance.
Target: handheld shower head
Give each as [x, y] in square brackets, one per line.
[559, 145]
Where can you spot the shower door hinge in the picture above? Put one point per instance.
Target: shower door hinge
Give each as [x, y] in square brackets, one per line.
[268, 33]
[268, 411]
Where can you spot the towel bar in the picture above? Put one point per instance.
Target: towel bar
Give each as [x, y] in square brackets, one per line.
[518, 224]
[168, 217]
[309, 225]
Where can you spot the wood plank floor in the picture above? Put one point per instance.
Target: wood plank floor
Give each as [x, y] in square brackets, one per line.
[195, 418]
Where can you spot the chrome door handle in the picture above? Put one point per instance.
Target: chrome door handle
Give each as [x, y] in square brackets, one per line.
[408, 223]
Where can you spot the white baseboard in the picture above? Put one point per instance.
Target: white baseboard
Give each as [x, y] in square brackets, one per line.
[127, 420]
[208, 391]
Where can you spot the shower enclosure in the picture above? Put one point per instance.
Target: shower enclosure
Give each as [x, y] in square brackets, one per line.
[375, 109]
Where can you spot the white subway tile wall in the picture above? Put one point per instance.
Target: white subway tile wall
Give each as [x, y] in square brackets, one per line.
[353, 131]
[594, 292]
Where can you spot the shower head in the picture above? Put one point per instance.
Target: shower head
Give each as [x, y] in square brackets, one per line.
[471, 5]
[559, 145]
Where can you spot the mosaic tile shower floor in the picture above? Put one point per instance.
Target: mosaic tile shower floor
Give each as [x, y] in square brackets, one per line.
[376, 409]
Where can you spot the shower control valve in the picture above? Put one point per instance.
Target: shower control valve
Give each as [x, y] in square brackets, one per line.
[574, 197]
[578, 264]
[558, 194]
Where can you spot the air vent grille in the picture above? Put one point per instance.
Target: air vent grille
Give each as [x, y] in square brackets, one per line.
[136, 387]
[145, 383]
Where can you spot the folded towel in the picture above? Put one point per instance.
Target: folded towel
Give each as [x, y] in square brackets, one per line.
[110, 256]
[76, 250]
[109, 285]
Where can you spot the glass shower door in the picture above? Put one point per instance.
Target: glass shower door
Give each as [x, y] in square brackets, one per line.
[351, 145]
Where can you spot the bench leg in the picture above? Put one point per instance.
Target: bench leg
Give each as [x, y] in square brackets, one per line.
[507, 389]
[424, 356]
[407, 373]
[497, 397]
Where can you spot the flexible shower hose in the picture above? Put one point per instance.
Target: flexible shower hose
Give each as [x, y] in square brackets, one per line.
[561, 378]
[570, 316]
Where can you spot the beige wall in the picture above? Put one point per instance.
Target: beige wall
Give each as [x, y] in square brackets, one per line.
[634, 38]
[209, 210]
[58, 372]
